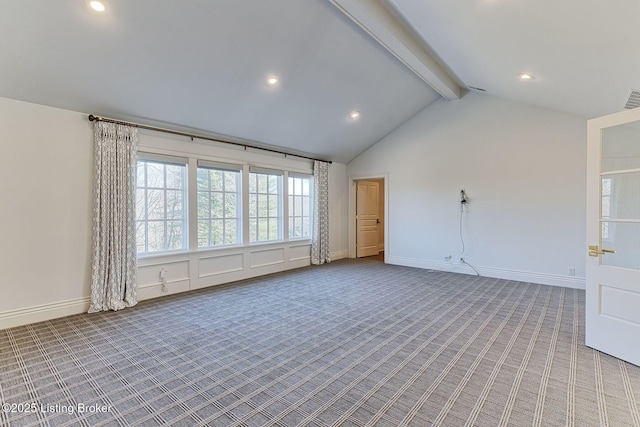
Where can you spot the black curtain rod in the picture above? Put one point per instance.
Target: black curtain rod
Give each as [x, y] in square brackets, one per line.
[93, 118]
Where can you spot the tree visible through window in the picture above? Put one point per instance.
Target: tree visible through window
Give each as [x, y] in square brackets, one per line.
[299, 189]
[265, 206]
[224, 213]
[219, 204]
[160, 206]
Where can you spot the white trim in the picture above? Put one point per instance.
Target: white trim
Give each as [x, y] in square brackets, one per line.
[220, 166]
[374, 18]
[162, 158]
[497, 273]
[616, 172]
[334, 256]
[217, 273]
[155, 290]
[293, 174]
[39, 313]
[266, 171]
[266, 264]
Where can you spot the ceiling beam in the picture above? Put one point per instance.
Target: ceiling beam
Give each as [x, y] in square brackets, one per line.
[376, 19]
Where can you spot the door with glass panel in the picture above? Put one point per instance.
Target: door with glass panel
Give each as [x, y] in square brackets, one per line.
[613, 235]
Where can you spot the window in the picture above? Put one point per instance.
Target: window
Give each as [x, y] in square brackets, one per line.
[161, 213]
[219, 204]
[299, 206]
[233, 204]
[265, 205]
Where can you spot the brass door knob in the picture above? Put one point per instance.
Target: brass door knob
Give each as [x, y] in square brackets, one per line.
[595, 251]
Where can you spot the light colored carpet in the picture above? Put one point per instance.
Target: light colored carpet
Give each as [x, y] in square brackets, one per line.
[352, 343]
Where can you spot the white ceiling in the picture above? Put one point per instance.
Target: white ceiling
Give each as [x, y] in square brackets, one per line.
[584, 55]
[201, 65]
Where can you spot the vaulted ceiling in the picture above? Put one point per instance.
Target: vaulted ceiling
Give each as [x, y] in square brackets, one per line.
[584, 56]
[202, 65]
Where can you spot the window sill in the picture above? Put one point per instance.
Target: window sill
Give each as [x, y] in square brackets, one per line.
[149, 258]
[161, 254]
[277, 243]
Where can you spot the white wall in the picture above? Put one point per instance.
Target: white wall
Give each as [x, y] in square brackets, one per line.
[524, 171]
[46, 192]
[46, 166]
[338, 212]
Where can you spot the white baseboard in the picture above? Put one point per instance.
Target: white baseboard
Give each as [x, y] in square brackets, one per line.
[39, 313]
[339, 255]
[498, 273]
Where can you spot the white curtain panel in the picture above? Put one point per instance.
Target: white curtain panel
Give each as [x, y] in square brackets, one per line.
[320, 233]
[114, 268]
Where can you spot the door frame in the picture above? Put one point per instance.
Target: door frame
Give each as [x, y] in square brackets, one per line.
[352, 211]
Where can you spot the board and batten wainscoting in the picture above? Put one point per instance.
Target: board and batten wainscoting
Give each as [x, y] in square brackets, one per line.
[195, 270]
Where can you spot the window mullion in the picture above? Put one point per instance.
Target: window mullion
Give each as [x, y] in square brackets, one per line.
[224, 207]
[166, 209]
[284, 206]
[192, 204]
[245, 205]
[146, 209]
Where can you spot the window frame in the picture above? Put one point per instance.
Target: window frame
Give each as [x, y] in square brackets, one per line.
[239, 195]
[191, 161]
[165, 161]
[291, 199]
[268, 194]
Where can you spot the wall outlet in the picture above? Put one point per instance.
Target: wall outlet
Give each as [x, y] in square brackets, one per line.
[572, 271]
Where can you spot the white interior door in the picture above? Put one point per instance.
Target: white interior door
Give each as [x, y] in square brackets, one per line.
[367, 218]
[613, 235]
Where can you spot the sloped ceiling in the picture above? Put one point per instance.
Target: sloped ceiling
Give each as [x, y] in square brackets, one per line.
[584, 55]
[202, 65]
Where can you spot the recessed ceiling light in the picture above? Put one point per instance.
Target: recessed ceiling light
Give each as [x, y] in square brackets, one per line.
[525, 76]
[354, 115]
[272, 80]
[96, 5]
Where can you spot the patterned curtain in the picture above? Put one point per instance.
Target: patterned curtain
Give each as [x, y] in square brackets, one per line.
[320, 233]
[114, 269]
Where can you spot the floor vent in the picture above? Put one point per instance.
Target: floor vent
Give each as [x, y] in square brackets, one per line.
[634, 100]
